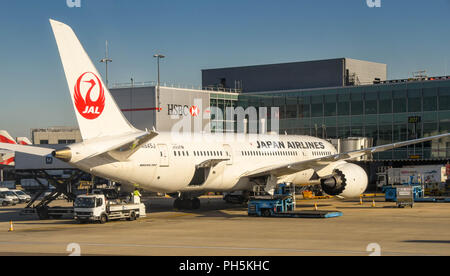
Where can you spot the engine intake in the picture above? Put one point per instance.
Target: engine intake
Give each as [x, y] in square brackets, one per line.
[348, 180]
[334, 185]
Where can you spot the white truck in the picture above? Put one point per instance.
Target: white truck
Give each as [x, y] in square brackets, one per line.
[97, 208]
[432, 177]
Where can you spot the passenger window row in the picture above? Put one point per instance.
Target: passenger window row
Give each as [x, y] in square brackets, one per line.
[181, 153]
[208, 153]
[199, 153]
[269, 153]
[321, 153]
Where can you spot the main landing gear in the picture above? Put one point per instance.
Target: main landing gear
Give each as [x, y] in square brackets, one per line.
[187, 203]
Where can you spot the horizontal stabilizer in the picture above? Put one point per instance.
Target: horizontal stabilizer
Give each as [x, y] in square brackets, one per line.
[27, 149]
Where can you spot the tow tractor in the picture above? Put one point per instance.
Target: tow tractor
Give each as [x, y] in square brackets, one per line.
[282, 204]
[98, 208]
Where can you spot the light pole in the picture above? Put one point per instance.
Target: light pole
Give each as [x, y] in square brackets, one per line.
[106, 60]
[158, 57]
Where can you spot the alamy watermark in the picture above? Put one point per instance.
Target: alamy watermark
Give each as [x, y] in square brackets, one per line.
[73, 3]
[375, 249]
[373, 3]
[233, 123]
[74, 248]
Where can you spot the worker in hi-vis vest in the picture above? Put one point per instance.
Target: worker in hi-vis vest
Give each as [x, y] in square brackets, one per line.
[136, 196]
[136, 192]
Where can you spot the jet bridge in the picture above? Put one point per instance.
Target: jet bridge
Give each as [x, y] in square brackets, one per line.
[47, 173]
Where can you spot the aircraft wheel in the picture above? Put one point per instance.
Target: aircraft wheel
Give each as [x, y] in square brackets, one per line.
[177, 204]
[187, 204]
[195, 203]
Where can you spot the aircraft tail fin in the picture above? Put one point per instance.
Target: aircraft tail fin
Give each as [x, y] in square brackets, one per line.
[23, 141]
[97, 113]
[6, 138]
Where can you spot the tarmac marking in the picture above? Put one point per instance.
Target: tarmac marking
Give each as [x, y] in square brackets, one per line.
[48, 227]
[287, 250]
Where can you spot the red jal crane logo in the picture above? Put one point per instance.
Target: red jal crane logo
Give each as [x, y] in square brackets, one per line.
[88, 108]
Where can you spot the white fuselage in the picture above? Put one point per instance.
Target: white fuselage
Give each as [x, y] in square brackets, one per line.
[168, 165]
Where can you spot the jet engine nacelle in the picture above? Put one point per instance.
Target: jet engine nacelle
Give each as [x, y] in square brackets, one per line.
[348, 180]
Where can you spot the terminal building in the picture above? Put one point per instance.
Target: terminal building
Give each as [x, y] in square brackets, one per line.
[55, 136]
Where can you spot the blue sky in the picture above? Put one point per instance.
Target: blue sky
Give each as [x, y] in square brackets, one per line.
[408, 35]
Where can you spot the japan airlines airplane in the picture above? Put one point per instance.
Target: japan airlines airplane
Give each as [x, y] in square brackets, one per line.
[113, 149]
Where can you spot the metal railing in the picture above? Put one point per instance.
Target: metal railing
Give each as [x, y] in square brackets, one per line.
[172, 85]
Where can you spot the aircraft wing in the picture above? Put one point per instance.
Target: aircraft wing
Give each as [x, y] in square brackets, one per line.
[317, 163]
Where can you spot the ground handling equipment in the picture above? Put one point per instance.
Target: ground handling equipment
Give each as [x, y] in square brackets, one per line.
[282, 204]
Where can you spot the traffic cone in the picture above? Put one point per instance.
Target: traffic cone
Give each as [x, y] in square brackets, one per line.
[360, 201]
[315, 206]
[373, 203]
[11, 227]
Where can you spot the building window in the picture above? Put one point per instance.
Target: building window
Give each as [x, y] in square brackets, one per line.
[385, 135]
[357, 104]
[444, 98]
[430, 129]
[357, 131]
[371, 131]
[344, 105]
[385, 103]
[414, 100]
[317, 106]
[399, 101]
[430, 99]
[400, 132]
[371, 106]
[43, 142]
[330, 105]
[291, 111]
